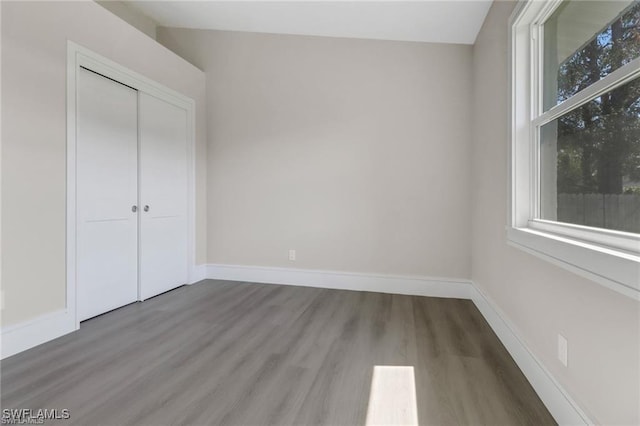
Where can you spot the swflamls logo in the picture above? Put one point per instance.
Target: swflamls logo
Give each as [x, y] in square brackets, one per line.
[28, 416]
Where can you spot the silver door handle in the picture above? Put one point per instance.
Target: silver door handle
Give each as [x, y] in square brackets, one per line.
[134, 208]
[146, 208]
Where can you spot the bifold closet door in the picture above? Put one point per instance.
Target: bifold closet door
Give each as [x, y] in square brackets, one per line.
[107, 192]
[163, 195]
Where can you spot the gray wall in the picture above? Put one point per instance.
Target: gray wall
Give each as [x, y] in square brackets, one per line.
[542, 300]
[354, 152]
[34, 58]
[131, 16]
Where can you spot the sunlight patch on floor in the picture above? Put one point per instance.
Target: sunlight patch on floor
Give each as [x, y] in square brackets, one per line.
[392, 400]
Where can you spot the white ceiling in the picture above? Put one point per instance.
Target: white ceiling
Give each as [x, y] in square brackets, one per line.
[451, 21]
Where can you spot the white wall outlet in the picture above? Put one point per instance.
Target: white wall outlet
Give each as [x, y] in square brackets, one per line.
[292, 255]
[563, 350]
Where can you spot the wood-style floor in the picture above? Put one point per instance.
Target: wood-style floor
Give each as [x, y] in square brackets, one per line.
[223, 353]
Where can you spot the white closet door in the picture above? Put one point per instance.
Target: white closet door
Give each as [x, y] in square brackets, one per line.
[163, 195]
[107, 189]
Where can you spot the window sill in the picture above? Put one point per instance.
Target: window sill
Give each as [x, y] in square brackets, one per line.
[617, 270]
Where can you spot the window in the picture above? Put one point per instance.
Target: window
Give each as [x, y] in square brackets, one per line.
[575, 147]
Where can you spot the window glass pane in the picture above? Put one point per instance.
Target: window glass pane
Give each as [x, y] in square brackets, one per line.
[590, 163]
[585, 41]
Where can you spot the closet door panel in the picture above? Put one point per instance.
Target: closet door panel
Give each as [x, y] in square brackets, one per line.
[163, 195]
[107, 181]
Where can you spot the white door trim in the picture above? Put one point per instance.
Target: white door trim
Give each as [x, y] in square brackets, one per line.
[78, 56]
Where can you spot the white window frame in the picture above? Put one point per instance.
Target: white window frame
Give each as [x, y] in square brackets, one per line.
[611, 258]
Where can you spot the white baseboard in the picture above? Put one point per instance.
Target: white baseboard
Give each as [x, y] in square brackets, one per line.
[418, 286]
[198, 273]
[20, 337]
[25, 335]
[561, 406]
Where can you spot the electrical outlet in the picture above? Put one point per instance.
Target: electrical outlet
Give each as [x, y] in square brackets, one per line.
[1, 300]
[292, 255]
[563, 350]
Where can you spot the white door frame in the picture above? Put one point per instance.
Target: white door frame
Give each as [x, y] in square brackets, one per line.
[78, 56]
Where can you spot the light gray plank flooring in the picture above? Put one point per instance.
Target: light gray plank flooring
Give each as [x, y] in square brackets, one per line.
[224, 353]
